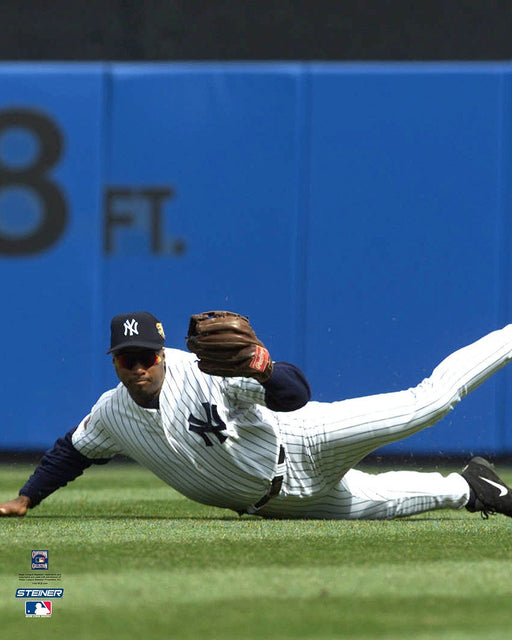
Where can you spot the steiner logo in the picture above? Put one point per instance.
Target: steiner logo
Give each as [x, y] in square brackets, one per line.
[39, 593]
[39, 559]
[38, 608]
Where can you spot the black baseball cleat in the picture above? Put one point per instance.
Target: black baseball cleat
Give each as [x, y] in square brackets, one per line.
[489, 494]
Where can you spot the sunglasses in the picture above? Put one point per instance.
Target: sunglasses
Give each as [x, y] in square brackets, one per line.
[146, 358]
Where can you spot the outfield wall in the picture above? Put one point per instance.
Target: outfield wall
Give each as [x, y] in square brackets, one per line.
[360, 214]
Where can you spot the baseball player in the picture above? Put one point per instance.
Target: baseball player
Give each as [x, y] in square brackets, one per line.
[227, 426]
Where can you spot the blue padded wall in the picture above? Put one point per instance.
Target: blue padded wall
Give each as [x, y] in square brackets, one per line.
[367, 206]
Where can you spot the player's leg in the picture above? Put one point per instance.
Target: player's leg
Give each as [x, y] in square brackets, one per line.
[394, 494]
[336, 436]
[363, 496]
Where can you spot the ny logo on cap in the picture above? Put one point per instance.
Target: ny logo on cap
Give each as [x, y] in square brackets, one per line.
[131, 327]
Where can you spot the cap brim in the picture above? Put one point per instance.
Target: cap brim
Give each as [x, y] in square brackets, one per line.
[140, 345]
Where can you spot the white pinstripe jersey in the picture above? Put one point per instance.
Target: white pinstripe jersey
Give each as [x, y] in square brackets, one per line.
[227, 465]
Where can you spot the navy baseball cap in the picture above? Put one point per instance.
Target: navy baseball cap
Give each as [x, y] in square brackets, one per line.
[136, 329]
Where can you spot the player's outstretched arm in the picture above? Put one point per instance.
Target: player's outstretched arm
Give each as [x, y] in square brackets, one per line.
[16, 507]
[58, 466]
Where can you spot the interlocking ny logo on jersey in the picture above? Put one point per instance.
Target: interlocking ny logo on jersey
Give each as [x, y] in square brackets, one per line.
[213, 424]
[131, 327]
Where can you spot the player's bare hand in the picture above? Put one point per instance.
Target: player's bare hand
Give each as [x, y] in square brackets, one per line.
[16, 507]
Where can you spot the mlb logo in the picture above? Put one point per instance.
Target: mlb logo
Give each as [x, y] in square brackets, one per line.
[39, 559]
[38, 608]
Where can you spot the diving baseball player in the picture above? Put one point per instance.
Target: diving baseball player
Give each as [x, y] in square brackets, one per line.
[227, 426]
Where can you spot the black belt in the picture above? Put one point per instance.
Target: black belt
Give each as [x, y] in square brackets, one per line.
[275, 485]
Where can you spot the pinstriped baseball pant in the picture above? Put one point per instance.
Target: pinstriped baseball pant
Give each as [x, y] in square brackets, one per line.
[324, 441]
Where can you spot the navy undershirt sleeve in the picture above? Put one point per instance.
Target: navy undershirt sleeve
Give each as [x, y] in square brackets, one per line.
[58, 466]
[287, 388]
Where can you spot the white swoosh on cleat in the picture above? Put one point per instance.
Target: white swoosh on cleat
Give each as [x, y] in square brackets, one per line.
[503, 490]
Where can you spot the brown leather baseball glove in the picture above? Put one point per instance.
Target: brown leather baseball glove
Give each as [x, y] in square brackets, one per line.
[226, 345]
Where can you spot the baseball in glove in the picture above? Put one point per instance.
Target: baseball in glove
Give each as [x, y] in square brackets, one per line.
[226, 345]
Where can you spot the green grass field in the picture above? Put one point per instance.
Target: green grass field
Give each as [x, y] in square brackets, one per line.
[139, 561]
